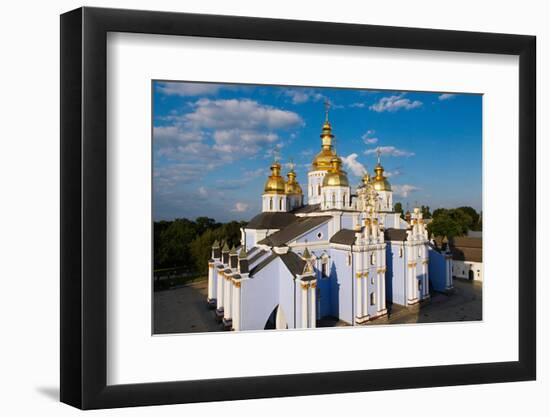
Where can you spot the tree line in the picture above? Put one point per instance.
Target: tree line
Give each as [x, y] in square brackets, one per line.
[449, 222]
[187, 244]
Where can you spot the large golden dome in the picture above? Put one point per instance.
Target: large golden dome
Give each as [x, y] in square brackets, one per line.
[380, 182]
[336, 177]
[275, 184]
[292, 186]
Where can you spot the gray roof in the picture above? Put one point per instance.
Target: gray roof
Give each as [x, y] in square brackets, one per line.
[344, 237]
[293, 262]
[310, 208]
[256, 256]
[395, 234]
[467, 248]
[298, 227]
[271, 220]
[467, 254]
[262, 264]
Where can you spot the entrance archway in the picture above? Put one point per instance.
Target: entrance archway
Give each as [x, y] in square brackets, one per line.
[276, 320]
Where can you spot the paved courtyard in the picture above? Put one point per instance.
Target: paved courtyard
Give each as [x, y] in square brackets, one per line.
[184, 309]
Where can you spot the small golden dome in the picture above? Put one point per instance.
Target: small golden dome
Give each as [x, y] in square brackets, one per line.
[275, 184]
[335, 177]
[292, 186]
[380, 182]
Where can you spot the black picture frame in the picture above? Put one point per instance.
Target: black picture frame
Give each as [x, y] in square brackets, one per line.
[84, 207]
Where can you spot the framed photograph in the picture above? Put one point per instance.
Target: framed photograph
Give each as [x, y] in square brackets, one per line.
[256, 208]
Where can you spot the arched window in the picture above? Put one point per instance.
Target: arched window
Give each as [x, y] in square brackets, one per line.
[372, 298]
[280, 204]
[318, 189]
[344, 200]
[373, 259]
[271, 204]
[333, 199]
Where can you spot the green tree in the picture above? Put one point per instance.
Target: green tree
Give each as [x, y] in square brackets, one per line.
[174, 240]
[425, 210]
[444, 225]
[398, 208]
[475, 217]
[205, 223]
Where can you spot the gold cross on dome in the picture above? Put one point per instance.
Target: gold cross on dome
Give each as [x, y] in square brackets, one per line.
[291, 164]
[327, 108]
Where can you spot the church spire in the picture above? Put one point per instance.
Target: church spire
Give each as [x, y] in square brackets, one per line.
[326, 134]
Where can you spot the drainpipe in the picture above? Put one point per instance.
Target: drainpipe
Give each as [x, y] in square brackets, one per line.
[352, 287]
[294, 302]
[405, 272]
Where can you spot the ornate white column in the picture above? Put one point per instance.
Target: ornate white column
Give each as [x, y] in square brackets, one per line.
[304, 294]
[358, 296]
[212, 275]
[312, 305]
[236, 306]
[227, 299]
[220, 287]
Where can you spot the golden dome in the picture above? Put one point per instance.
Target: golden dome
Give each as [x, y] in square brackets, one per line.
[380, 182]
[292, 186]
[275, 184]
[335, 177]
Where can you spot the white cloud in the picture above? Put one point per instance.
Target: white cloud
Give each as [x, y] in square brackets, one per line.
[404, 190]
[303, 95]
[236, 141]
[368, 137]
[356, 167]
[188, 89]
[203, 192]
[395, 103]
[240, 207]
[394, 173]
[239, 114]
[173, 135]
[358, 105]
[446, 96]
[389, 151]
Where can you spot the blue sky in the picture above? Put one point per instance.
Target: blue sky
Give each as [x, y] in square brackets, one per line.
[213, 143]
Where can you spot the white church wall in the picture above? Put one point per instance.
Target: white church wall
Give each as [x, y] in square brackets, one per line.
[342, 273]
[348, 220]
[250, 236]
[286, 296]
[260, 296]
[318, 234]
[461, 269]
[397, 257]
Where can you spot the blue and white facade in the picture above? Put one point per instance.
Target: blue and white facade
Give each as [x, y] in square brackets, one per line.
[344, 255]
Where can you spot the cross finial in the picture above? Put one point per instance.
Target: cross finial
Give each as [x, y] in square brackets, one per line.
[378, 153]
[291, 164]
[327, 107]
